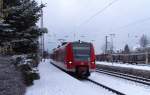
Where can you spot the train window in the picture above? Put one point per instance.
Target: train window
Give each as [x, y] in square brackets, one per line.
[81, 48]
[81, 51]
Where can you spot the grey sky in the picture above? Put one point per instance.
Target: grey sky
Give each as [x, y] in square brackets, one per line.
[127, 19]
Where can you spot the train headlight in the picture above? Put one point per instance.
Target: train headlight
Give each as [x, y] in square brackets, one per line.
[93, 62]
[70, 62]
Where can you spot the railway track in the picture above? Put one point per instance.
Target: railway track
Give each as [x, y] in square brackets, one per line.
[125, 76]
[94, 82]
[106, 87]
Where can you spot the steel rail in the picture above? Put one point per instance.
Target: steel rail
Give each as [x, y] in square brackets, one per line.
[106, 87]
[110, 89]
[125, 76]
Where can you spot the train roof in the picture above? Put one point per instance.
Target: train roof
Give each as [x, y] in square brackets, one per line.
[66, 43]
[81, 42]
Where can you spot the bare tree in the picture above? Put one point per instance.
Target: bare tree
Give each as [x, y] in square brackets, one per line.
[107, 48]
[143, 41]
[126, 49]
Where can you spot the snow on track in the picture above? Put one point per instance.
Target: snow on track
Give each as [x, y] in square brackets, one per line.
[96, 87]
[55, 82]
[122, 85]
[141, 67]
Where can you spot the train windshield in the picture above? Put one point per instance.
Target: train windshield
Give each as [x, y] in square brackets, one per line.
[81, 51]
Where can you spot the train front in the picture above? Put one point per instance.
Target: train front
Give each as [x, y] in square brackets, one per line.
[83, 61]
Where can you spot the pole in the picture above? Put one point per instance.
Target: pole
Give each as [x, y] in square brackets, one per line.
[106, 44]
[74, 36]
[146, 54]
[42, 37]
[112, 43]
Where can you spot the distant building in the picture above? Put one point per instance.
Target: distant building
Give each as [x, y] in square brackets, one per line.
[145, 49]
[7, 48]
[1, 9]
[4, 5]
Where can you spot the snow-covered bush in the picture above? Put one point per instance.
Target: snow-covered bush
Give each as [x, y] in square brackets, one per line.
[26, 64]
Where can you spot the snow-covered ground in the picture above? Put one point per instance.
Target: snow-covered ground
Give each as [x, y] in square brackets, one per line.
[142, 67]
[55, 82]
[122, 85]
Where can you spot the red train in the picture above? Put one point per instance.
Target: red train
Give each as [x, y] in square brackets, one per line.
[75, 57]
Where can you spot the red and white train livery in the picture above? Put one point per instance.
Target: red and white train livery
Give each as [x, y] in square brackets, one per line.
[75, 57]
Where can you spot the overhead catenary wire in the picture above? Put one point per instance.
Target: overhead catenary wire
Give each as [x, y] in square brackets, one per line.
[99, 12]
[135, 22]
[92, 16]
[132, 24]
